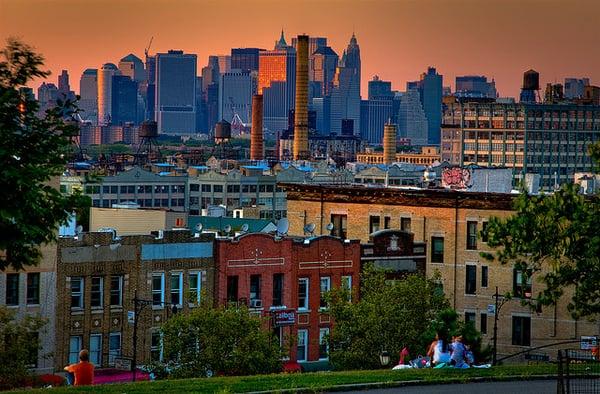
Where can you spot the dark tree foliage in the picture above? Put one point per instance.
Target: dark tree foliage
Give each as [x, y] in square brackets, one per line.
[33, 151]
[554, 239]
[388, 317]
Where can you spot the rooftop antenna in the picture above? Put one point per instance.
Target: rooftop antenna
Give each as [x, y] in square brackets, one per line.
[283, 225]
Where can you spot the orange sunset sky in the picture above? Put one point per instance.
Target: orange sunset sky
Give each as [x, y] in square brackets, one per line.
[398, 38]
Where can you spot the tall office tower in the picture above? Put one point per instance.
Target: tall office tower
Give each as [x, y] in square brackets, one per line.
[150, 87]
[245, 59]
[212, 105]
[105, 75]
[430, 90]
[345, 95]
[88, 92]
[124, 100]
[375, 113]
[575, 88]
[389, 143]
[379, 89]
[63, 83]
[314, 43]
[132, 67]
[301, 151]
[277, 84]
[257, 148]
[236, 89]
[176, 92]
[475, 86]
[281, 44]
[224, 63]
[211, 72]
[322, 108]
[323, 62]
[201, 123]
[412, 121]
[47, 95]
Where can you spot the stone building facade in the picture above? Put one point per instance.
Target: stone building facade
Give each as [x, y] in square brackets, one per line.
[448, 223]
[98, 277]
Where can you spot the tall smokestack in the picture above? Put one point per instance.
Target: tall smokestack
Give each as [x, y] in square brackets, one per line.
[389, 143]
[256, 134]
[301, 107]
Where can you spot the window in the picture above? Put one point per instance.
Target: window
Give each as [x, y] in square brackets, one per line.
[156, 348]
[303, 293]
[347, 285]
[194, 187]
[324, 343]
[325, 287]
[470, 318]
[76, 292]
[33, 288]
[521, 330]
[437, 249]
[484, 237]
[12, 289]
[195, 287]
[471, 235]
[158, 290]
[471, 279]
[484, 276]
[114, 347]
[373, 224]
[386, 222]
[116, 290]
[277, 290]
[302, 350]
[96, 349]
[405, 224]
[254, 287]
[232, 288]
[521, 288]
[483, 325]
[96, 292]
[340, 225]
[74, 349]
[177, 288]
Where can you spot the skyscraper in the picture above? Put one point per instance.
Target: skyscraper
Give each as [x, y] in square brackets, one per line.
[323, 63]
[224, 63]
[88, 92]
[575, 88]
[132, 67]
[47, 95]
[301, 151]
[375, 113]
[63, 84]
[379, 88]
[236, 89]
[430, 90]
[475, 86]
[124, 100]
[150, 86]
[412, 122]
[245, 59]
[345, 95]
[105, 75]
[176, 92]
[314, 43]
[277, 84]
[211, 72]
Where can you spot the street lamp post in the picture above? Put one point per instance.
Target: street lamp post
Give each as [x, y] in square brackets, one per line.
[499, 302]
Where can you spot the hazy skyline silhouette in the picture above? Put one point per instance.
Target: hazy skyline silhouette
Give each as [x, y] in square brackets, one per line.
[398, 39]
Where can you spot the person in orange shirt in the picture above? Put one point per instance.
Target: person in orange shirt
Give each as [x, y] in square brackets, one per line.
[83, 371]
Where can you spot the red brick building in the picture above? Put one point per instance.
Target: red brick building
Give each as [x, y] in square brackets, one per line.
[281, 274]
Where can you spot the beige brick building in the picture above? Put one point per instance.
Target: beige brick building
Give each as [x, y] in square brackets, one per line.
[98, 276]
[448, 222]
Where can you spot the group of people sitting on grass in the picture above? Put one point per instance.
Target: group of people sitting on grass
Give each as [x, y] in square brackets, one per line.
[456, 354]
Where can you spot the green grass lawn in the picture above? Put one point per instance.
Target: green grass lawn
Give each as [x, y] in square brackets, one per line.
[317, 381]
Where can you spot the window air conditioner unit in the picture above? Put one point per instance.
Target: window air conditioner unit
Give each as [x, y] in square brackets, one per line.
[255, 303]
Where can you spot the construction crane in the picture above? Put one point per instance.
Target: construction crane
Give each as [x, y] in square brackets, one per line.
[148, 47]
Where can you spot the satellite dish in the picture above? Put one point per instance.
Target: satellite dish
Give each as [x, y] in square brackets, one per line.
[227, 229]
[330, 227]
[283, 225]
[198, 227]
[245, 227]
[309, 228]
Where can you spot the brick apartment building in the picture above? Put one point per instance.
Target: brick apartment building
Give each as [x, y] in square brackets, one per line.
[273, 274]
[447, 223]
[98, 276]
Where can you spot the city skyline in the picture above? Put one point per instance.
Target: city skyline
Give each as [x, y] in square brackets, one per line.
[398, 40]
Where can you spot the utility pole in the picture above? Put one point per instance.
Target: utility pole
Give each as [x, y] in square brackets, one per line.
[498, 303]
